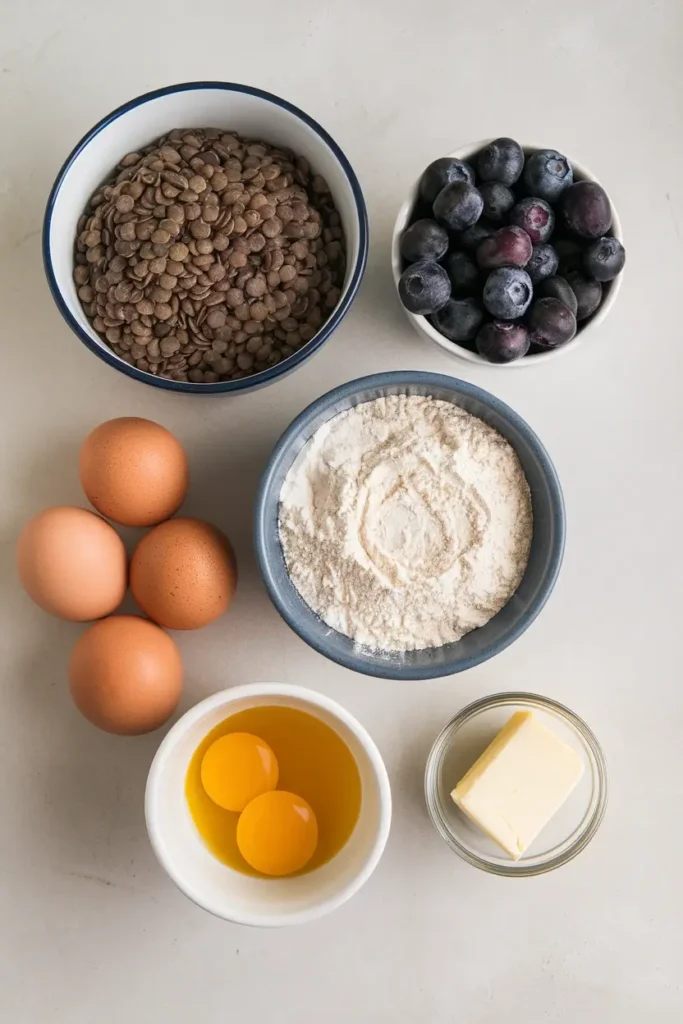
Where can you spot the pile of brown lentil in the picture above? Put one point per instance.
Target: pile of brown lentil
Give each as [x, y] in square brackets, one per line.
[209, 257]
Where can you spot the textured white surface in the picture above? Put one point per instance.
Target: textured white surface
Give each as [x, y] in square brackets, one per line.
[91, 928]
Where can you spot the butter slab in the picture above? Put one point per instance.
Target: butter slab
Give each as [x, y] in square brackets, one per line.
[520, 781]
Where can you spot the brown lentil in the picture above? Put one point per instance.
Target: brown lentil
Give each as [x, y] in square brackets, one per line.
[209, 257]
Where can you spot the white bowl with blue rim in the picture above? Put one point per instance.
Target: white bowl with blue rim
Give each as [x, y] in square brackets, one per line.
[240, 108]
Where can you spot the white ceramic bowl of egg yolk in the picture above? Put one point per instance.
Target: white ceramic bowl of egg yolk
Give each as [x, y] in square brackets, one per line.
[241, 898]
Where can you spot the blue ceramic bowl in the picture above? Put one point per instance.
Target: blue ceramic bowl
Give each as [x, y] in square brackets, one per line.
[547, 546]
[239, 108]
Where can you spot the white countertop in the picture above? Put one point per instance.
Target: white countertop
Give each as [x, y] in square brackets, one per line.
[91, 930]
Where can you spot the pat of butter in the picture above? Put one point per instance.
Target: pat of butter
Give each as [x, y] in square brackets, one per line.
[519, 782]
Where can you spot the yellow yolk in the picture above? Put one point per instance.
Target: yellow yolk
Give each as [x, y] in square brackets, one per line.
[237, 768]
[314, 762]
[277, 833]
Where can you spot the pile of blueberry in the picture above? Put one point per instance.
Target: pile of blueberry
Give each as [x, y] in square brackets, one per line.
[505, 260]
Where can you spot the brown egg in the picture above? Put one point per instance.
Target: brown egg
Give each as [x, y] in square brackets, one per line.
[133, 471]
[72, 563]
[183, 574]
[125, 675]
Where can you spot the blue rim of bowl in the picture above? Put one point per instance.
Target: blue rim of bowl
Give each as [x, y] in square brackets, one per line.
[257, 379]
[387, 669]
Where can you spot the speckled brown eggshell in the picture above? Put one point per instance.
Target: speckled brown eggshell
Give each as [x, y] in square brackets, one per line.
[133, 471]
[125, 675]
[72, 563]
[183, 574]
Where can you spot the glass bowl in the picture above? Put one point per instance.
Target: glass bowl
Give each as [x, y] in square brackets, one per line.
[466, 737]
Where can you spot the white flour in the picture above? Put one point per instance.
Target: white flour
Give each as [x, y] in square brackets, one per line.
[406, 522]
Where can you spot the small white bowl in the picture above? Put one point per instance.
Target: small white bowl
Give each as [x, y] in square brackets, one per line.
[241, 108]
[422, 324]
[259, 901]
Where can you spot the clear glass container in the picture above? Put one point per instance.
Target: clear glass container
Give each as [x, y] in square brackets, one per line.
[466, 737]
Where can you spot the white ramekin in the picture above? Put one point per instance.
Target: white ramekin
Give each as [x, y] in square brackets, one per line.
[241, 898]
[422, 324]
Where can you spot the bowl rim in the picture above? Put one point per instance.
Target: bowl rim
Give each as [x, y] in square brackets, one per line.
[315, 637]
[422, 324]
[582, 835]
[265, 376]
[223, 698]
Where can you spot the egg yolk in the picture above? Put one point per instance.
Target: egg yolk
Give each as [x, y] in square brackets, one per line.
[237, 768]
[277, 833]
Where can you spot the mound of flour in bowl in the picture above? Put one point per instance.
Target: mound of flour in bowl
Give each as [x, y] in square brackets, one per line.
[406, 522]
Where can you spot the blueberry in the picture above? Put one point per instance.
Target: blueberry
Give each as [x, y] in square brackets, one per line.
[471, 238]
[459, 320]
[547, 174]
[424, 240]
[502, 160]
[543, 263]
[458, 206]
[558, 288]
[587, 209]
[551, 323]
[498, 199]
[535, 217]
[604, 259]
[507, 293]
[502, 341]
[507, 247]
[424, 287]
[463, 272]
[570, 254]
[587, 291]
[442, 172]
